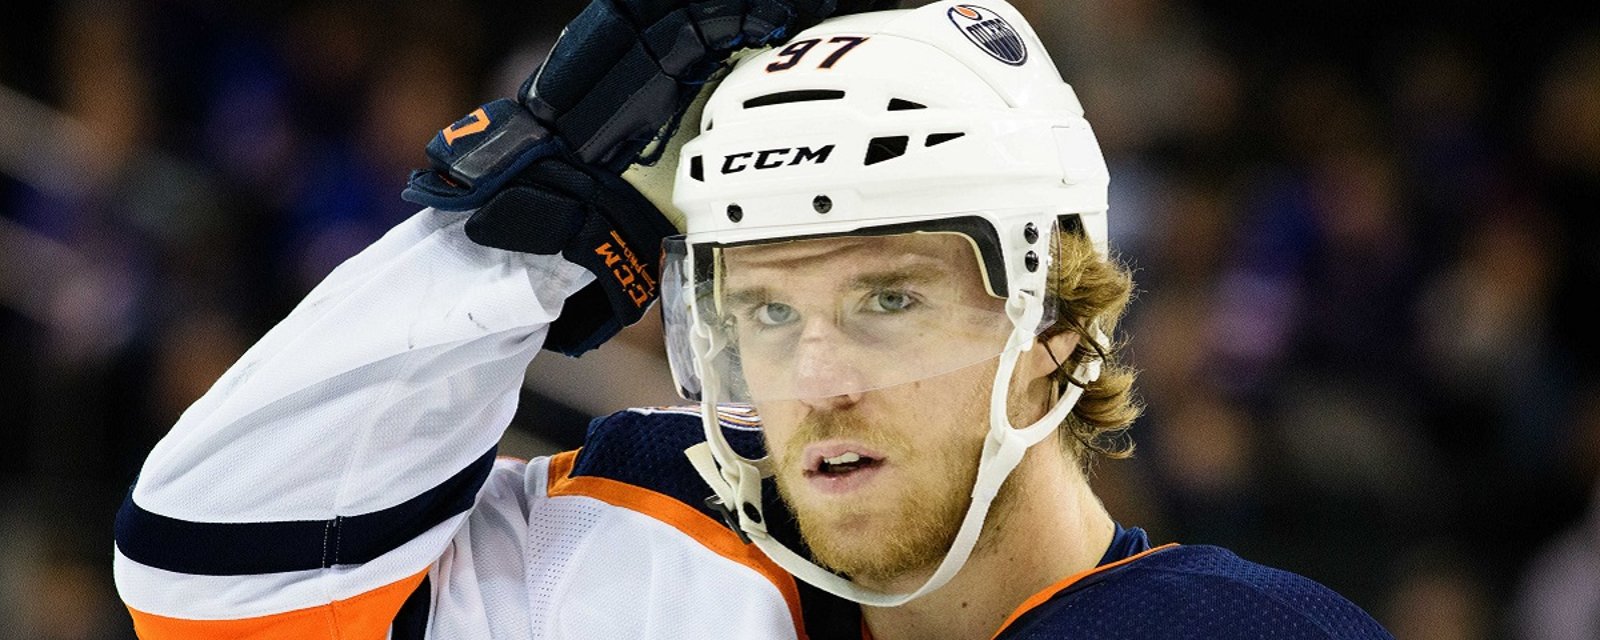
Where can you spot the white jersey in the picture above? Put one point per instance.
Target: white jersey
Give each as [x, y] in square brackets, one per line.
[339, 481]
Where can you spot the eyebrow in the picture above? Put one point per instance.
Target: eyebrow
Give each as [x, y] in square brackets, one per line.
[876, 280]
[748, 296]
[896, 277]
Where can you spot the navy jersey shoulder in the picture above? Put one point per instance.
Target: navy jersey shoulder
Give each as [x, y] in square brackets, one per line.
[1196, 591]
[644, 448]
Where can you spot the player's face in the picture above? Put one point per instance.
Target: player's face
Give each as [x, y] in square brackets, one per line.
[875, 459]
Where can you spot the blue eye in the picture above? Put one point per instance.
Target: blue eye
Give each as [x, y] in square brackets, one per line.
[774, 314]
[890, 301]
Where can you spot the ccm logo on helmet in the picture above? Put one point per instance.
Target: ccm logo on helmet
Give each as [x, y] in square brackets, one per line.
[774, 158]
[990, 32]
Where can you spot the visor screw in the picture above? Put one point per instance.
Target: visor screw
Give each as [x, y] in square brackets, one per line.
[1030, 233]
[751, 513]
[1031, 261]
[822, 204]
[735, 212]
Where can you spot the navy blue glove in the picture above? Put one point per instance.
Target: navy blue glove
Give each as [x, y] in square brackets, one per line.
[539, 174]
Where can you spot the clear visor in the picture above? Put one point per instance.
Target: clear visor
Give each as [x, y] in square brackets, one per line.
[832, 316]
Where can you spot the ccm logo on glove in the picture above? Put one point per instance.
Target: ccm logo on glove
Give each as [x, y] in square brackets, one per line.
[630, 275]
[774, 158]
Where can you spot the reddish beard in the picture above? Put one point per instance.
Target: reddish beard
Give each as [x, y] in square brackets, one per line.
[894, 530]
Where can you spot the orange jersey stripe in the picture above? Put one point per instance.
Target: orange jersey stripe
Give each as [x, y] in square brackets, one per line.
[1050, 591]
[363, 617]
[714, 535]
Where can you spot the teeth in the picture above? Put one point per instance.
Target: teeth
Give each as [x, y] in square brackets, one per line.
[845, 458]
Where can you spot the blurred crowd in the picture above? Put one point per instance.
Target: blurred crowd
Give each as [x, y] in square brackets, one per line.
[1366, 237]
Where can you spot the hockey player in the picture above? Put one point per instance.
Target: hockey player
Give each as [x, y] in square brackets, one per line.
[892, 300]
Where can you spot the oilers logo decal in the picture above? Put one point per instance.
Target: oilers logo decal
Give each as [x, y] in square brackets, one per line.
[990, 32]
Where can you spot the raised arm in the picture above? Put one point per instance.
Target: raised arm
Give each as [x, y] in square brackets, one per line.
[315, 483]
[313, 488]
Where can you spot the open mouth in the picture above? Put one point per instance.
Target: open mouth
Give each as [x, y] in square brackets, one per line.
[845, 463]
[840, 467]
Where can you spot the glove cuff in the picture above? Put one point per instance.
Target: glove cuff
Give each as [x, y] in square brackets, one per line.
[593, 219]
[476, 156]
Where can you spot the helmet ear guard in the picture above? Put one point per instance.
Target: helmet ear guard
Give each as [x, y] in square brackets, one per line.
[946, 119]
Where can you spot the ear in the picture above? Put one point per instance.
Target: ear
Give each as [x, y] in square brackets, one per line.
[1036, 365]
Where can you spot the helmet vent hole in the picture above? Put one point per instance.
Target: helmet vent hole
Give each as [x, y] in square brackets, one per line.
[941, 138]
[887, 148]
[697, 169]
[786, 97]
[896, 104]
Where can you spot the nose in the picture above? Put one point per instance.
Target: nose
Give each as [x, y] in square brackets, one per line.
[826, 377]
[834, 402]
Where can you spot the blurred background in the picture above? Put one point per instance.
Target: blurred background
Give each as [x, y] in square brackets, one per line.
[1366, 234]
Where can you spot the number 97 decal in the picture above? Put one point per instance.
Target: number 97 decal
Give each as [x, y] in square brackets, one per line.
[791, 55]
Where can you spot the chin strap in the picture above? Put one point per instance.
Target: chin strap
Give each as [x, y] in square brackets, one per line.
[736, 480]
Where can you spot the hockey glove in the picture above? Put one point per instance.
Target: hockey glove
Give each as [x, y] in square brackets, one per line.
[540, 174]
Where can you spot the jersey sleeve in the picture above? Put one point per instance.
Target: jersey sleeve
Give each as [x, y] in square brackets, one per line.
[310, 490]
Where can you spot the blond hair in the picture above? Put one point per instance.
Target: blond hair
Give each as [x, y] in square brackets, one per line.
[1091, 293]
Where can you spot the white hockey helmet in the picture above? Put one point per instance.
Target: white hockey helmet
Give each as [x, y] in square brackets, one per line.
[946, 119]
